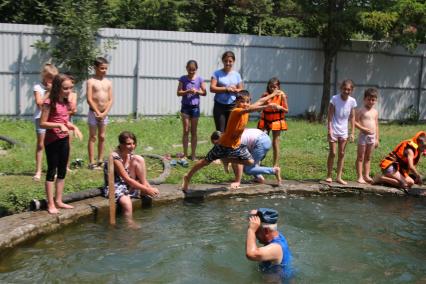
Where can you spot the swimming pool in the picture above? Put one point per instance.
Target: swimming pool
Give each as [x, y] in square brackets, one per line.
[333, 240]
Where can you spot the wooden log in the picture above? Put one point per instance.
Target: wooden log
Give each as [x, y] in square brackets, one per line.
[111, 192]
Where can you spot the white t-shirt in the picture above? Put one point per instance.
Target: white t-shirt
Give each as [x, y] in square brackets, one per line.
[342, 111]
[250, 136]
[42, 90]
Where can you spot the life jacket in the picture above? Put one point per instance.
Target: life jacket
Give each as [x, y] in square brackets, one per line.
[398, 157]
[272, 119]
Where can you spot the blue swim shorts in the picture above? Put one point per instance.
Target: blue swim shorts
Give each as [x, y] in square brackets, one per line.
[191, 111]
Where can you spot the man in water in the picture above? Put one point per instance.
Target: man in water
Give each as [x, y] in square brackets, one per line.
[275, 256]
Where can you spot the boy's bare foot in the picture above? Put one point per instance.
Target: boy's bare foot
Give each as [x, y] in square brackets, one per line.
[52, 210]
[235, 185]
[63, 205]
[361, 180]
[329, 180]
[185, 183]
[277, 171]
[368, 179]
[341, 181]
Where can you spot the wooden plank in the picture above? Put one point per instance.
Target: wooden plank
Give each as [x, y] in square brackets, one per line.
[111, 193]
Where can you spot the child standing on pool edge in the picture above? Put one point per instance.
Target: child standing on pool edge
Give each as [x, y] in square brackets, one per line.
[273, 119]
[99, 98]
[367, 121]
[190, 88]
[55, 118]
[40, 94]
[341, 111]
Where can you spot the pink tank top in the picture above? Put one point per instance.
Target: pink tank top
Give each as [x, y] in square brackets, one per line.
[56, 115]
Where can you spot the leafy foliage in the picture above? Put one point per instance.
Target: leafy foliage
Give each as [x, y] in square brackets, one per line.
[75, 25]
[334, 22]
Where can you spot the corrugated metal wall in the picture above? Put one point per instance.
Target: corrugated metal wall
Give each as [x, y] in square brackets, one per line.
[145, 67]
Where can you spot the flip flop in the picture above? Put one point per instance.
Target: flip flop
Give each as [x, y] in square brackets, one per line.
[173, 163]
[183, 162]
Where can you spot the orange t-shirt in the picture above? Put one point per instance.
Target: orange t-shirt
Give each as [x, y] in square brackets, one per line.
[234, 129]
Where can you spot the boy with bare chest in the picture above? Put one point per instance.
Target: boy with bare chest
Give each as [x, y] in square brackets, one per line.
[367, 121]
[99, 98]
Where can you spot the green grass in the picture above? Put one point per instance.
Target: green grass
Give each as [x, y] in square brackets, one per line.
[304, 152]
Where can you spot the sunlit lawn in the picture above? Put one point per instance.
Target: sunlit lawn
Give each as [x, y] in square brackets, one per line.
[303, 154]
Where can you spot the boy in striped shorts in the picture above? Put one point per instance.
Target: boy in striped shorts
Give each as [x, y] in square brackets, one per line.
[229, 148]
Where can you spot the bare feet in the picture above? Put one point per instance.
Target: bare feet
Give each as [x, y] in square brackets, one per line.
[277, 171]
[341, 181]
[185, 183]
[235, 185]
[37, 177]
[52, 210]
[63, 205]
[368, 179]
[329, 180]
[361, 180]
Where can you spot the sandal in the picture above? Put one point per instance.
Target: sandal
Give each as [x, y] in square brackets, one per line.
[173, 163]
[183, 162]
[94, 167]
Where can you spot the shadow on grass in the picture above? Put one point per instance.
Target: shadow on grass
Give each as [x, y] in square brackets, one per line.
[17, 174]
[4, 211]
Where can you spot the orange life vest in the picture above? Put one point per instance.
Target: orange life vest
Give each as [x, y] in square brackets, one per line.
[272, 119]
[398, 156]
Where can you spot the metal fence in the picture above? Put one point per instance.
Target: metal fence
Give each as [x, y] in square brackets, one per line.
[145, 67]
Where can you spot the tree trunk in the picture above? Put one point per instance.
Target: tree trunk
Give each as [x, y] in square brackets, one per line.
[220, 20]
[326, 85]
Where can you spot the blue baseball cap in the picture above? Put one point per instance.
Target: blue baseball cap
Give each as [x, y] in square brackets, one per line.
[267, 215]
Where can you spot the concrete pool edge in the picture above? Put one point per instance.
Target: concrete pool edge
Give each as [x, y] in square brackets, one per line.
[20, 228]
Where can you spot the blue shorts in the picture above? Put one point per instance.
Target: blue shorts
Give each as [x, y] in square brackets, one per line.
[38, 129]
[191, 111]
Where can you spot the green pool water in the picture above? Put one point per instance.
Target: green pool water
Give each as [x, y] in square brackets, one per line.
[333, 240]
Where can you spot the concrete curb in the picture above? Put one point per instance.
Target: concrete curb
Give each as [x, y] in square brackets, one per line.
[20, 228]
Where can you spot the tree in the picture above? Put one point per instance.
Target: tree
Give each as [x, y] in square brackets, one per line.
[25, 11]
[151, 14]
[400, 22]
[334, 22]
[74, 26]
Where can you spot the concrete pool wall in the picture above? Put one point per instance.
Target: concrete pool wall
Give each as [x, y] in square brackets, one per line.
[20, 228]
